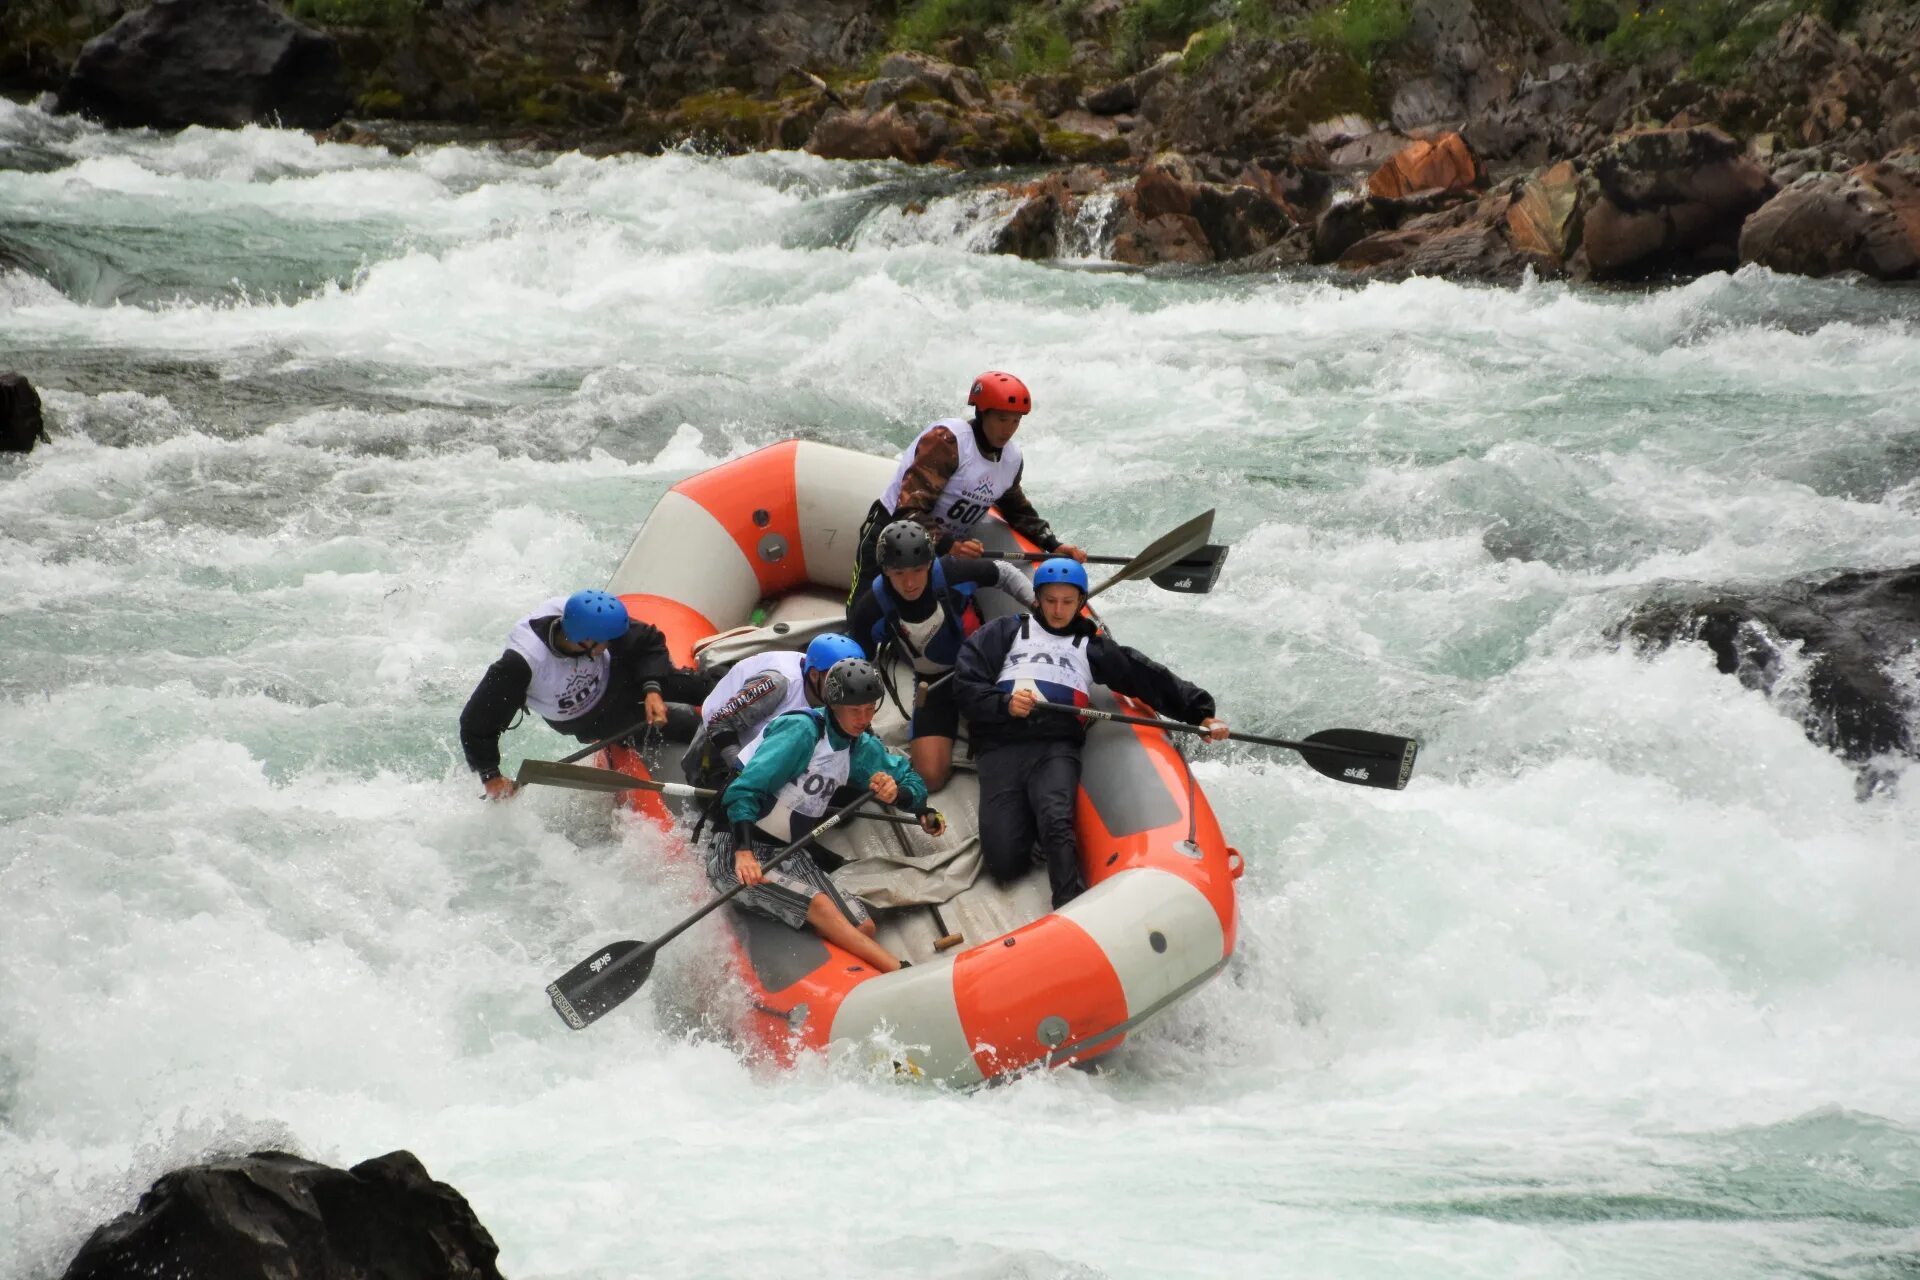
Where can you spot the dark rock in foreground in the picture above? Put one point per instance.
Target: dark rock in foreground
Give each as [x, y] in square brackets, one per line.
[272, 1214]
[21, 426]
[1852, 628]
[1866, 220]
[222, 63]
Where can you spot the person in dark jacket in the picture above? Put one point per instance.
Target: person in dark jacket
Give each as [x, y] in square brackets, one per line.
[585, 667]
[924, 607]
[1029, 761]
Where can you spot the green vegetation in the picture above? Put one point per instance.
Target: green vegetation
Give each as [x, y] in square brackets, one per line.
[927, 22]
[355, 13]
[1204, 44]
[1361, 29]
[1713, 39]
[1144, 22]
[1041, 45]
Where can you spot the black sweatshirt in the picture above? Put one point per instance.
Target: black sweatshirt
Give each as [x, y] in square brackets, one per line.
[638, 658]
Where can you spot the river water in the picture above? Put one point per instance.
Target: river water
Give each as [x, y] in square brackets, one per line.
[1626, 983]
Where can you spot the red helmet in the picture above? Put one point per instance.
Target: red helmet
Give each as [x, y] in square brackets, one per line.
[995, 390]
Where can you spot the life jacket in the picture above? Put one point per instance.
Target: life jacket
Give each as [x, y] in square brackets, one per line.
[933, 642]
[975, 485]
[1055, 667]
[799, 806]
[562, 688]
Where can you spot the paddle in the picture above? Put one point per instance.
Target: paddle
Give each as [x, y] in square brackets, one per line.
[601, 745]
[1193, 574]
[582, 778]
[1163, 552]
[1169, 548]
[607, 977]
[1358, 756]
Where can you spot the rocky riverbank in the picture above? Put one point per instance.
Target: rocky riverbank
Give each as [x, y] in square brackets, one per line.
[1479, 139]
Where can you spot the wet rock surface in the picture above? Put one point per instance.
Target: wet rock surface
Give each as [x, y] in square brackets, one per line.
[1856, 631]
[273, 1214]
[223, 63]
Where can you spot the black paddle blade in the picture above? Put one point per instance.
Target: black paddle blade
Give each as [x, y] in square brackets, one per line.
[600, 982]
[1386, 760]
[1196, 574]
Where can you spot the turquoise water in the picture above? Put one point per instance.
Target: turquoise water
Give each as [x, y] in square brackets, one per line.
[1623, 985]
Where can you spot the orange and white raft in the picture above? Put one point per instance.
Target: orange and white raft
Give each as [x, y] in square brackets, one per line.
[756, 554]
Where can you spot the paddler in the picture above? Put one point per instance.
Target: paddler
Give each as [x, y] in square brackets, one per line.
[952, 473]
[924, 606]
[789, 778]
[747, 698]
[587, 668]
[1029, 761]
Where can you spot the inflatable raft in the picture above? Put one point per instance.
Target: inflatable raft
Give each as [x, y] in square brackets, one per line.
[756, 554]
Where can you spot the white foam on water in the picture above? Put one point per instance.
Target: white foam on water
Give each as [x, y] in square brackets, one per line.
[1622, 984]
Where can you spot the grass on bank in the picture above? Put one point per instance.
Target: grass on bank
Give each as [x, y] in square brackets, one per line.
[1713, 39]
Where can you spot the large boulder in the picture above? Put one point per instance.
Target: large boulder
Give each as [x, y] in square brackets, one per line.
[1866, 220]
[1853, 630]
[21, 425]
[1467, 241]
[1544, 218]
[1173, 214]
[1669, 200]
[273, 1214]
[221, 63]
[1445, 163]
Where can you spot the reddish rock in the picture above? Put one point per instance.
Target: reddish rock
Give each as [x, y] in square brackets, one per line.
[1466, 242]
[1544, 219]
[1669, 200]
[866, 135]
[1865, 220]
[1446, 163]
[1151, 241]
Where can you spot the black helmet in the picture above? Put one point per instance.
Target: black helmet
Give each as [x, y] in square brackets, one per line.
[851, 682]
[905, 545]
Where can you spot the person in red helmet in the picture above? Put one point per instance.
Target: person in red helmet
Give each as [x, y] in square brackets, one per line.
[952, 473]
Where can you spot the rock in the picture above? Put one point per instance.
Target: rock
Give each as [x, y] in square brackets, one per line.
[1852, 627]
[273, 1214]
[1170, 202]
[221, 63]
[866, 135]
[960, 86]
[1033, 231]
[1367, 151]
[1544, 219]
[1669, 200]
[1866, 220]
[21, 423]
[1445, 164]
[1344, 224]
[1466, 242]
[1425, 100]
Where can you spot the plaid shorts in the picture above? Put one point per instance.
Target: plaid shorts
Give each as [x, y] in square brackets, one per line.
[789, 888]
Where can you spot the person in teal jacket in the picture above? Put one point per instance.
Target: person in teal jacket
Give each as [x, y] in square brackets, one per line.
[790, 776]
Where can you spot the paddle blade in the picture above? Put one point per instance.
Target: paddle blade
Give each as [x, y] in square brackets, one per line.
[600, 982]
[1196, 574]
[1164, 551]
[1387, 760]
[579, 777]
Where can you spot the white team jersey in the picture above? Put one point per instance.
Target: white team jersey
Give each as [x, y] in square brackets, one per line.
[975, 485]
[562, 688]
[799, 806]
[780, 662]
[1055, 667]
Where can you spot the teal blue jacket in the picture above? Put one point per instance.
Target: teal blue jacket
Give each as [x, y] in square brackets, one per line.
[785, 748]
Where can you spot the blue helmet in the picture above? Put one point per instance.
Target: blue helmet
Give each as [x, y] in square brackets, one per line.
[1061, 569]
[594, 616]
[826, 650]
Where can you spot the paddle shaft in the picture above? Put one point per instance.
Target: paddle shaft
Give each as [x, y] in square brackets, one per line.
[1092, 713]
[831, 820]
[1032, 557]
[604, 743]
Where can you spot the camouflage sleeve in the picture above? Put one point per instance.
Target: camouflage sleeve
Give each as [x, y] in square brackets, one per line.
[735, 722]
[934, 463]
[1023, 518]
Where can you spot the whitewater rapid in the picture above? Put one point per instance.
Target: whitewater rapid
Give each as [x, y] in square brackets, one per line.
[1624, 984]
